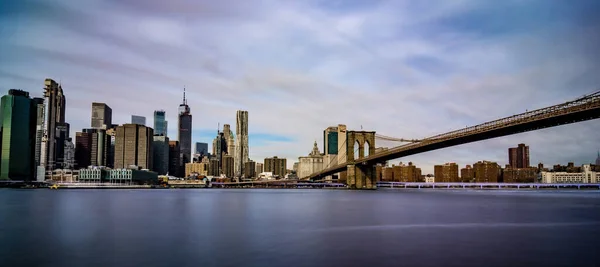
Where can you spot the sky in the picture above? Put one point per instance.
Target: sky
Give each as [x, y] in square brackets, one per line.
[407, 69]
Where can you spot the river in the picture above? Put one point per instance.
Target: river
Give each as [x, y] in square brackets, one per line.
[310, 227]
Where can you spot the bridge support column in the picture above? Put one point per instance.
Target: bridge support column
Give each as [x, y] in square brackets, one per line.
[361, 176]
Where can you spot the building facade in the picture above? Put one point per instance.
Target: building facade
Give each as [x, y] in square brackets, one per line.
[406, 173]
[54, 111]
[487, 172]
[311, 163]
[201, 149]
[228, 166]
[184, 132]
[250, 170]
[133, 146]
[585, 176]
[447, 173]
[196, 169]
[277, 166]
[174, 159]
[519, 175]
[101, 116]
[160, 150]
[141, 120]
[467, 174]
[518, 157]
[259, 168]
[18, 115]
[241, 146]
[160, 123]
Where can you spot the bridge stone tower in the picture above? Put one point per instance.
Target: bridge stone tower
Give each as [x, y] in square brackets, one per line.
[360, 175]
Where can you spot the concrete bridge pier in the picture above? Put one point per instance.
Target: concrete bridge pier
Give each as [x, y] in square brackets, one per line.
[361, 176]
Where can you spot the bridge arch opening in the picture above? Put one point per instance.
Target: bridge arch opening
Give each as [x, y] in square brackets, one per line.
[356, 150]
[367, 149]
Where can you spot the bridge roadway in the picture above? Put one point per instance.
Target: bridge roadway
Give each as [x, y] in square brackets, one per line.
[582, 109]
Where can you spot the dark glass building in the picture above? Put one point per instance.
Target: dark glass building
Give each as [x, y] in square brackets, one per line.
[185, 132]
[18, 117]
[160, 125]
[174, 159]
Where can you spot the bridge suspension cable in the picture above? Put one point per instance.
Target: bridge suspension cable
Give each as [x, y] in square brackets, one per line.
[388, 138]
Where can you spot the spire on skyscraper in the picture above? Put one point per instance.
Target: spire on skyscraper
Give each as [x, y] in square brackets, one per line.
[184, 102]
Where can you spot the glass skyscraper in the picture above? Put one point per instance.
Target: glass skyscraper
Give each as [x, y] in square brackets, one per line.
[18, 117]
[160, 124]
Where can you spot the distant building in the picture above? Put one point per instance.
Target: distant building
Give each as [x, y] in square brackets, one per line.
[101, 116]
[197, 169]
[585, 176]
[69, 160]
[174, 159]
[228, 166]
[309, 164]
[140, 120]
[429, 179]
[487, 172]
[276, 165]
[250, 169]
[447, 173]
[519, 175]
[241, 146]
[93, 147]
[201, 149]
[229, 139]
[214, 168]
[406, 173]
[387, 174]
[598, 159]
[55, 128]
[160, 150]
[133, 146]
[518, 157]
[184, 132]
[18, 117]
[110, 154]
[467, 174]
[259, 168]
[160, 123]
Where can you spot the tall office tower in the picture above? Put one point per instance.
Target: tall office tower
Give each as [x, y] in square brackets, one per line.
[161, 154]
[141, 120]
[54, 112]
[101, 116]
[518, 157]
[229, 139]
[133, 146]
[330, 140]
[62, 135]
[598, 159]
[227, 166]
[220, 148]
[160, 124]
[278, 166]
[93, 147]
[201, 149]
[39, 134]
[241, 146]
[69, 159]
[184, 133]
[174, 159]
[18, 117]
[334, 143]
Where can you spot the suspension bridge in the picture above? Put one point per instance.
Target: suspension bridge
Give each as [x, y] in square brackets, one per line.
[360, 168]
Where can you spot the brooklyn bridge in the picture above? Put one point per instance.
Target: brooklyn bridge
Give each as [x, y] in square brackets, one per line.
[360, 166]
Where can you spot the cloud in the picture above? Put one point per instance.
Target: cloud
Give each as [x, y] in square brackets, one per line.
[403, 68]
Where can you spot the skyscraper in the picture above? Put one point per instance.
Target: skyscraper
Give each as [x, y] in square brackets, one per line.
[174, 159]
[241, 146]
[230, 139]
[201, 148]
[160, 124]
[101, 116]
[93, 148]
[18, 116]
[161, 154]
[598, 159]
[133, 146]
[184, 133]
[518, 157]
[54, 112]
[141, 120]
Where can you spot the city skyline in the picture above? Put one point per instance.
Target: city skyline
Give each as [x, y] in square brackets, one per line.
[340, 71]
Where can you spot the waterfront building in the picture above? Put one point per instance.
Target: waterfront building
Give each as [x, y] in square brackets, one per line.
[197, 169]
[93, 175]
[250, 169]
[519, 175]
[387, 174]
[585, 176]
[228, 166]
[311, 163]
[406, 173]
[18, 117]
[160, 123]
[133, 146]
[518, 157]
[132, 176]
[52, 145]
[184, 132]
[467, 174]
[39, 134]
[259, 168]
[92, 148]
[241, 146]
[487, 172]
[101, 116]
[430, 179]
[160, 157]
[174, 159]
[214, 167]
[276, 165]
[447, 173]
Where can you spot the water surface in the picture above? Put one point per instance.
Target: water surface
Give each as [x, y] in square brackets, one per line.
[240, 227]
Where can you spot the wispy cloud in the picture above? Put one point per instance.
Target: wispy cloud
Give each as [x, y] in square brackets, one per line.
[403, 68]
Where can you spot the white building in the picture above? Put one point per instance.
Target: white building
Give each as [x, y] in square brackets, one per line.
[587, 176]
[311, 163]
[429, 179]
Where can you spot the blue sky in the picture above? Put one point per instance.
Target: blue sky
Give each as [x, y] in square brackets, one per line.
[402, 68]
